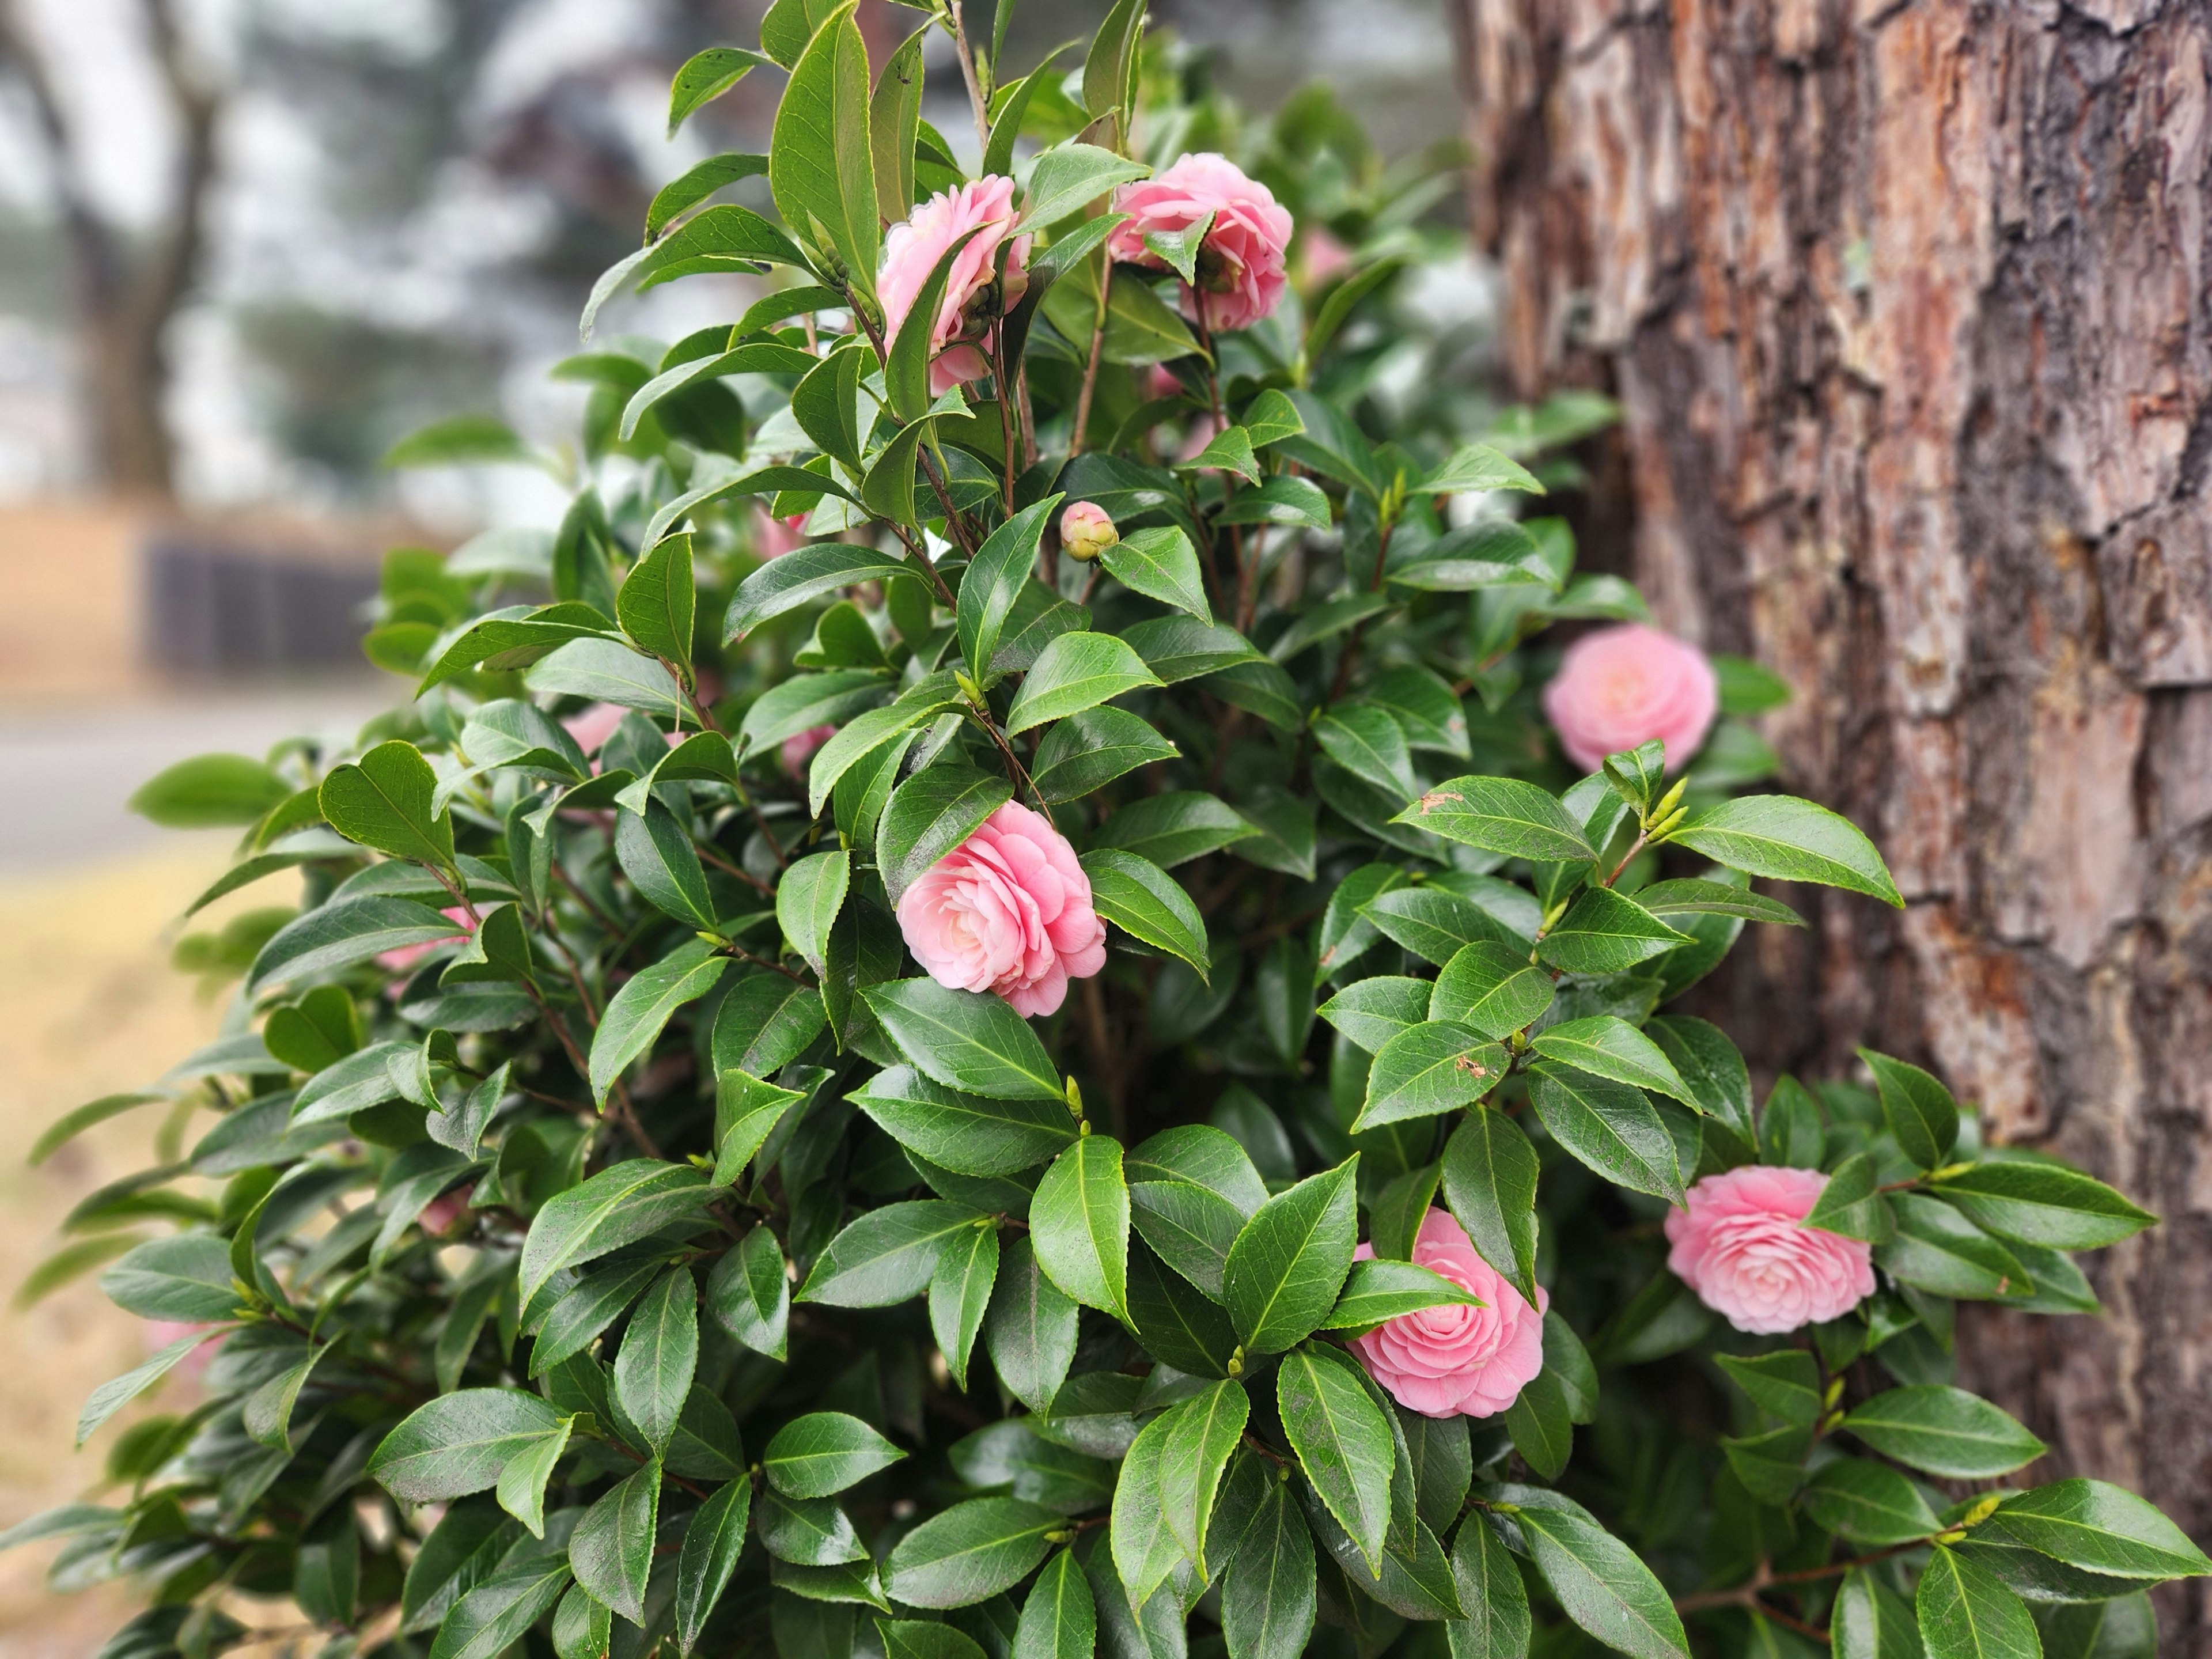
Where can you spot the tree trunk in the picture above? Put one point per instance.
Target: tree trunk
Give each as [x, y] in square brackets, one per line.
[1906, 305]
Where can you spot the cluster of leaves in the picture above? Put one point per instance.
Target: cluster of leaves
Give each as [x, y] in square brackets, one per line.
[608, 1240]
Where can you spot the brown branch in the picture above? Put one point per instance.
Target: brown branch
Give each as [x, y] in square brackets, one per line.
[1098, 355]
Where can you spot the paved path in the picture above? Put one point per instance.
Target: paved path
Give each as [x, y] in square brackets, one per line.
[66, 774]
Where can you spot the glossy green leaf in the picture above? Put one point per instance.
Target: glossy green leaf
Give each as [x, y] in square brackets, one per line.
[1609, 1127]
[1432, 1067]
[968, 1552]
[1944, 1431]
[1490, 1185]
[1965, 1614]
[1790, 840]
[1076, 672]
[1080, 1224]
[1289, 1263]
[1143, 901]
[1343, 1442]
[636, 1014]
[820, 164]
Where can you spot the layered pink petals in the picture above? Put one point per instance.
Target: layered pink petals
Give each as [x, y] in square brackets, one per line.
[1741, 1248]
[1008, 910]
[967, 318]
[1621, 687]
[1467, 1362]
[1240, 266]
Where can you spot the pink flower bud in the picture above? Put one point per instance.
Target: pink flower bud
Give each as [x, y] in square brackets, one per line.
[1456, 1361]
[1740, 1246]
[772, 537]
[1008, 910]
[1621, 687]
[1086, 531]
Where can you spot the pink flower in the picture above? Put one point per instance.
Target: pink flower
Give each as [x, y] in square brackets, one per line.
[1467, 1362]
[1008, 910]
[1326, 257]
[1240, 265]
[398, 961]
[594, 726]
[160, 1332]
[1623, 686]
[799, 747]
[772, 537]
[1742, 1248]
[442, 1212]
[1086, 530]
[970, 309]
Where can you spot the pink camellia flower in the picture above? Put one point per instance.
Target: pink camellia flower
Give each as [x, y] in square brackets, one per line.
[1460, 1361]
[772, 537]
[398, 961]
[1742, 1248]
[1008, 910]
[799, 747]
[1240, 265]
[970, 312]
[1620, 686]
[1326, 257]
[442, 1212]
[594, 726]
[1086, 530]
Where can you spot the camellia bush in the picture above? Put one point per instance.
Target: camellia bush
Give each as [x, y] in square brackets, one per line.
[1011, 1002]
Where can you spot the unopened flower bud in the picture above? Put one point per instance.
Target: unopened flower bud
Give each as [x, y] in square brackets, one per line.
[1086, 532]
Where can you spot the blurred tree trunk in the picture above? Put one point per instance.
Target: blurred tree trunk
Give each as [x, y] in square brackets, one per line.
[1907, 307]
[125, 294]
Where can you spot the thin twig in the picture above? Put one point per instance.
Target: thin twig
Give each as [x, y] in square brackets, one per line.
[1098, 355]
[968, 73]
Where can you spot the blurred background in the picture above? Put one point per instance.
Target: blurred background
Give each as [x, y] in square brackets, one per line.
[244, 246]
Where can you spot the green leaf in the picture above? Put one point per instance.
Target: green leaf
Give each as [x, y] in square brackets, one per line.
[1851, 1203]
[1786, 1383]
[1944, 1431]
[1030, 1330]
[1060, 1617]
[656, 853]
[186, 1279]
[1478, 467]
[994, 581]
[1283, 498]
[765, 1022]
[1174, 827]
[1790, 840]
[969, 1552]
[1070, 176]
[960, 1297]
[1501, 814]
[1543, 1432]
[1604, 933]
[1490, 1185]
[1607, 1046]
[894, 123]
[1378, 1290]
[820, 165]
[571, 1324]
[704, 77]
[495, 1615]
[1192, 1227]
[619, 1206]
[964, 1133]
[906, 372]
[607, 671]
[1206, 1428]
[887, 1256]
[112, 1395]
[1872, 1621]
[1371, 1012]
[807, 1532]
[1188, 1333]
[521, 1487]
[2100, 1527]
[804, 573]
[611, 1552]
[1267, 1597]
[636, 1013]
[1080, 1224]
[1431, 1068]
[1074, 672]
[209, 792]
[808, 899]
[693, 186]
[1486, 987]
[1964, 1613]
[659, 1353]
[383, 800]
[917, 1638]
[2043, 1204]
[749, 1294]
[1343, 1442]
[1935, 1249]
[1143, 901]
[1496, 1601]
[712, 1543]
[1714, 899]
[459, 1443]
[657, 601]
[1869, 1503]
[965, 1040]
[1609, 1127]
[1920, 1110]
[1161, 564]
[1289, 1263]
[1600, 1582]
[1433, 922]
[823, 1452]
[1367, 743]
[929, 816]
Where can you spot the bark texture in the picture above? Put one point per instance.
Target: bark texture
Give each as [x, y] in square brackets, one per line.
[1907, 307]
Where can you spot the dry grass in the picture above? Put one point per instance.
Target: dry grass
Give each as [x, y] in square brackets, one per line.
[91, 1008]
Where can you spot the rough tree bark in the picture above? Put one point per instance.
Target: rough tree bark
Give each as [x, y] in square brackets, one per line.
[125, 296]
[1907, 302]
